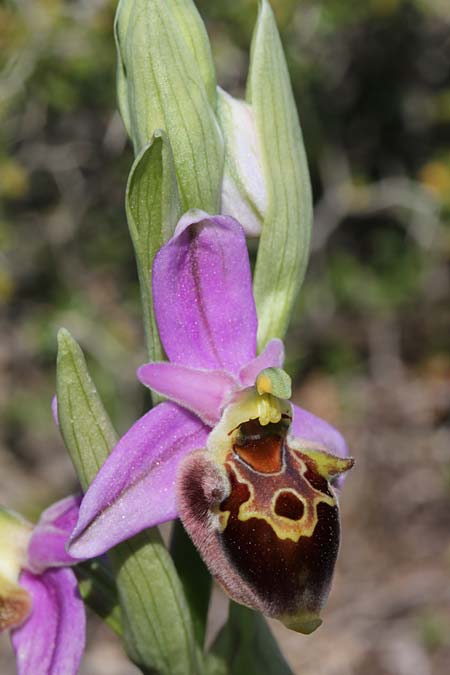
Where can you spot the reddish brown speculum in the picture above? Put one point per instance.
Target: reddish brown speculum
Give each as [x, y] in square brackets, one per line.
[261, 447]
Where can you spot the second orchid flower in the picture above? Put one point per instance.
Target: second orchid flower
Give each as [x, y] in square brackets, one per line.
[39, 598]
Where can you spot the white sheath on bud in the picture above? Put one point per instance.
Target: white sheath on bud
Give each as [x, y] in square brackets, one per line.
[243, 187]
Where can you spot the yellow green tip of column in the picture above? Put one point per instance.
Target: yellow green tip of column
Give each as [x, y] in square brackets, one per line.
[274, 381]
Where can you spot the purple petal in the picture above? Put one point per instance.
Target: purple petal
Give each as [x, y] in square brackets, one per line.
[51, 641]
[203, 392]
[49, 538]
[202, 292]
[308, 426]
[272, 356]
[135, 488]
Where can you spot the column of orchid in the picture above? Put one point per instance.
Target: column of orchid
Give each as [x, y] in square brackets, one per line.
[250, 479]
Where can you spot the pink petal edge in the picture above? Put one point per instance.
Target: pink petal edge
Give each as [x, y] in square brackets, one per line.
[203, 392]
[272, 356]
[47, 546]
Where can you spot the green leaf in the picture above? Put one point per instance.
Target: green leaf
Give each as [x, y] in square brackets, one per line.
[194, 576]
[284, 245]
[157, 625]
[246, 645]
[161, 86]
[153, 209]
[99, 591]
[159, 634]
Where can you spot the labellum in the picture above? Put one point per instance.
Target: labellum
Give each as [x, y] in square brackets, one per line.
[260, 506]
[15, 602]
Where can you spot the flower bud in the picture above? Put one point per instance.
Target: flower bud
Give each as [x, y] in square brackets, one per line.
[166, 81]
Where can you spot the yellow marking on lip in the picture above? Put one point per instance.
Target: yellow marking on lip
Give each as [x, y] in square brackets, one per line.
[328, 465]
[284, 528]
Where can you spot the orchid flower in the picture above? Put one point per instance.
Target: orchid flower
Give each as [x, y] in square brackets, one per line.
[39, 599]
[249, 473]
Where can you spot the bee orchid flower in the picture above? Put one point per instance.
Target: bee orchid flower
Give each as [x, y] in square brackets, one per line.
[252, 476]
[39, 599]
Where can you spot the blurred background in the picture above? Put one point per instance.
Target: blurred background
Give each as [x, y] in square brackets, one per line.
[369, 341]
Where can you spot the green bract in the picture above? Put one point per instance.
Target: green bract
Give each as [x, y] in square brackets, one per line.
[153, 209]
[166, 81]
[194, 32]
[84, 424]
[284, 244]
